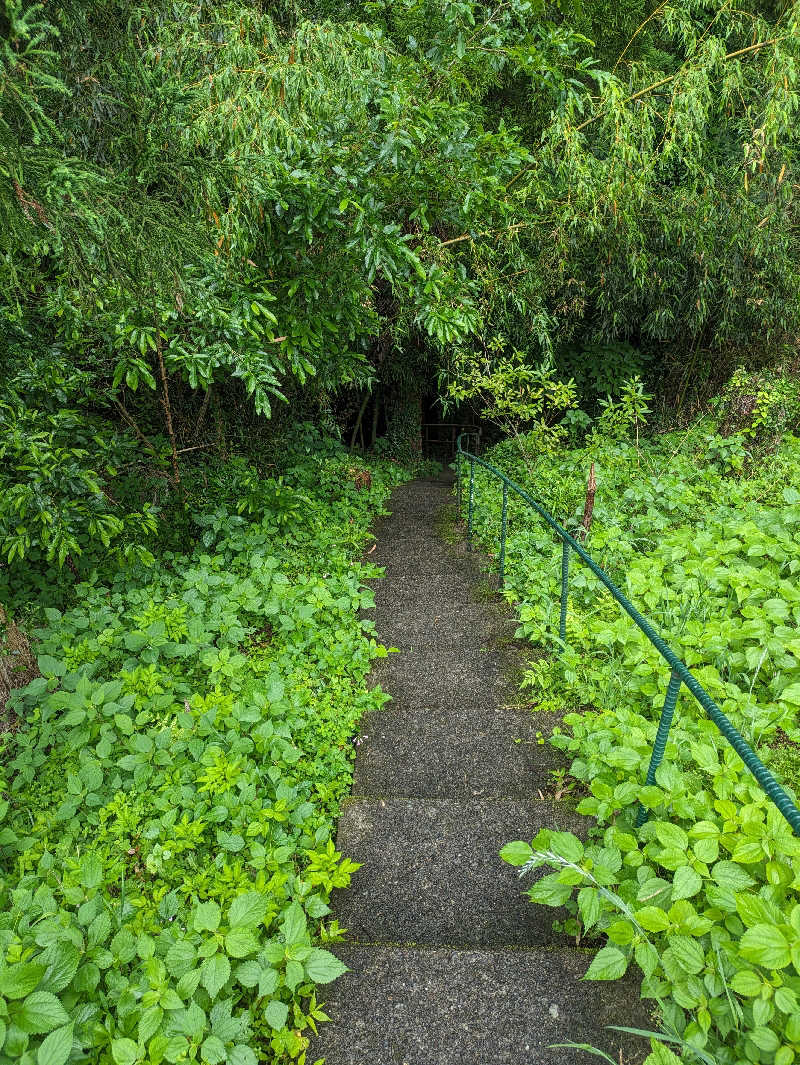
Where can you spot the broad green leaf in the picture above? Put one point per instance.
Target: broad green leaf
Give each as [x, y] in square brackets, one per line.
[652, 919]
[248, 973]
[516, 853]
[294, 924]
[91, 871]
[687, 953]
[149, 1023]
[765, 945]
[293, 974]
[206, 917]
[747, 982]
[213, 1050]
[17, 981]
[242, 1055]
[124, 1051]
[56, 1047]
[608, 964]
[215, 973]
[241, 942]
[549, 891]
[322, 967]
[247, 910]
[41, 1012]
[276, 1013]
[567, 846]
[686, 883]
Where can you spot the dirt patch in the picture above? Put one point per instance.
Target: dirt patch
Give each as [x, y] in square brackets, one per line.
[17, 668]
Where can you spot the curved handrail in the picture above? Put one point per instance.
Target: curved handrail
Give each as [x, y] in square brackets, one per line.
[680, 672]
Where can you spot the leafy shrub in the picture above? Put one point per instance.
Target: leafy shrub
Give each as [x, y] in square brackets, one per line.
[704, 898]
[166, 852]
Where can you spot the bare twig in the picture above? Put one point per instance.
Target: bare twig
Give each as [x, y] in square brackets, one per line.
[588, 507]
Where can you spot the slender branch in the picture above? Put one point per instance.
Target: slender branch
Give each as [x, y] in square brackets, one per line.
[357, 426]
[140, 435]
[651, 88]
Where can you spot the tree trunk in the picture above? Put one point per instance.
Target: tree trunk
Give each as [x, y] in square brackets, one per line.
[588, 507]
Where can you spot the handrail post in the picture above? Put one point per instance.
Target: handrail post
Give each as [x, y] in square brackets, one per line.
[662, 734]
[503, 527]
[458, 480]
[562, 623]
[471, 501]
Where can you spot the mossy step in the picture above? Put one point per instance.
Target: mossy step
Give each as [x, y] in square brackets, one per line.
[432, 874]
[455, 753]
[401, 1006]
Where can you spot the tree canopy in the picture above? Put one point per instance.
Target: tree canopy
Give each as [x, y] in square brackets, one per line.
[310, 201]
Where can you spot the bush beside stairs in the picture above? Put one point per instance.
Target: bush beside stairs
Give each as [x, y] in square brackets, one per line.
[450, 963]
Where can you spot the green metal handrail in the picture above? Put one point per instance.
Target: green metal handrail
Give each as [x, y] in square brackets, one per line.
[680, 674]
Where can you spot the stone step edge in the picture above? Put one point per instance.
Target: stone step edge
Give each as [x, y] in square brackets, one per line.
[564, 949]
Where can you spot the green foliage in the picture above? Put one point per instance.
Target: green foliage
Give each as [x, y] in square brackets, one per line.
[61, 472]
[704, 898]
[166, 857]
[512, 393]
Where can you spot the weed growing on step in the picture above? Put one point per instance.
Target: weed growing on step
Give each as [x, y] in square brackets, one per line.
[704, 900]
[166, 849]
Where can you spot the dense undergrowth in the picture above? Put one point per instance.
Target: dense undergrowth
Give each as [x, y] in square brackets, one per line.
[166, 841]
[705, 898]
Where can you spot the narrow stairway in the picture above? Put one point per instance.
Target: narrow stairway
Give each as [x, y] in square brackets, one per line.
[450, 963]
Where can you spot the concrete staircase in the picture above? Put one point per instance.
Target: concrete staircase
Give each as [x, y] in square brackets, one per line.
[450, 962]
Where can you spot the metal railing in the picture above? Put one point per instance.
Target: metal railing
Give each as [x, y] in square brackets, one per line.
[679, 675]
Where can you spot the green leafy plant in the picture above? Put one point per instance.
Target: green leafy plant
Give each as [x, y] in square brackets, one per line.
[702, 901]
[168, 799]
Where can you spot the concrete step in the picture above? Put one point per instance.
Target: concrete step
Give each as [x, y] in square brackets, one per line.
[433, 754]
[432, 874]
[477, 627]
[424, 592]
[465, 675]
[473, 1007]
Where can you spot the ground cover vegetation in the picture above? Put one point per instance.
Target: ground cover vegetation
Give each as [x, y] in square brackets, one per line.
[702, 532]
[172, 785]
[226, 227]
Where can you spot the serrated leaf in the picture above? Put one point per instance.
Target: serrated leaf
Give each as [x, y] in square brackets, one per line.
[276, 1013]
[687, 953]
[652, 919]
[213, 1050]
[322, 967]
[149, 1023]
[686, 883]
[41, 1012]
[765, 945]
[247, 910]
[242, 1055]
[241, 943]
[17, 981]
[180, 958]
[608, 964]
[293, 974]
[248, 973]
[56, 1047]
[294, 924]
[206, 917]
[91, 871]
[215, 973]
[124, 1051]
